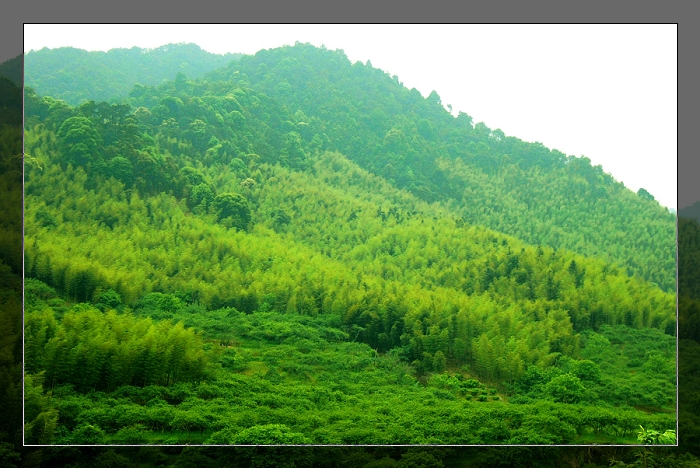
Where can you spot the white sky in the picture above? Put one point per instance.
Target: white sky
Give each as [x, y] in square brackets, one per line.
[608, 92]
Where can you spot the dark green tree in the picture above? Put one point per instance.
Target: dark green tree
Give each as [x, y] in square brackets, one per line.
[234, 207]
[80, 140]
[645, 195]
[121, 169]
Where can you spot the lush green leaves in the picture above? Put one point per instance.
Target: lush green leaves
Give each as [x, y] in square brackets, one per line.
[315, 277]
[91, 349]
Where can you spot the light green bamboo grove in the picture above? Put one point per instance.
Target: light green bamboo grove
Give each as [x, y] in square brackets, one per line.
[459, 283]
[95, 350]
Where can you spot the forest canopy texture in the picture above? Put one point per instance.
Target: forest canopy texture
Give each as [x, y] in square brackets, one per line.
[294, 249]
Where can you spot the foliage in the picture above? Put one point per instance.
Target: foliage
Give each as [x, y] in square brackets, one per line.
[297, 379]
[40, 418]
[268, 434]
[91, 349]
[650, 436]
[296, 249]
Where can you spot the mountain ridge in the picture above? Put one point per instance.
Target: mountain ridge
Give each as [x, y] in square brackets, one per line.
[63, 72]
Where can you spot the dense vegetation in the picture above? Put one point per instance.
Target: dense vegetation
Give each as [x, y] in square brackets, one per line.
[237, 241]
[284, 103]
[410, 286]
[299, 379]
[519, 188]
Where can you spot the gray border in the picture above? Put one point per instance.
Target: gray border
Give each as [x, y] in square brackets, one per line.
[625, 11]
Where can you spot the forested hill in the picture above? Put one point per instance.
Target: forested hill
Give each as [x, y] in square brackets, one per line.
[317, 224]
[319, 98]
[76, 75]
[487, 178]
[161, 205]
[289, 181]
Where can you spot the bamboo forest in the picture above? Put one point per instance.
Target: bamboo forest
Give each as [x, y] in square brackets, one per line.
[288, 248]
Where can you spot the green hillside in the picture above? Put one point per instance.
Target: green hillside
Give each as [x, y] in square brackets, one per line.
[338, 260]
[519, 188]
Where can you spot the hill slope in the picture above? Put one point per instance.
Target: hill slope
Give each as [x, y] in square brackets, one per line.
[318, 236]
[522, 189]
[216, 205]
[518, 188]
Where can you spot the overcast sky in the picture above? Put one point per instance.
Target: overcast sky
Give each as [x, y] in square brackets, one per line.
[608, 92]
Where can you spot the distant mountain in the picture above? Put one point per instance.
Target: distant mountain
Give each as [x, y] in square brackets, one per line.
[692, 211]
[76, 75]
[12, 70]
